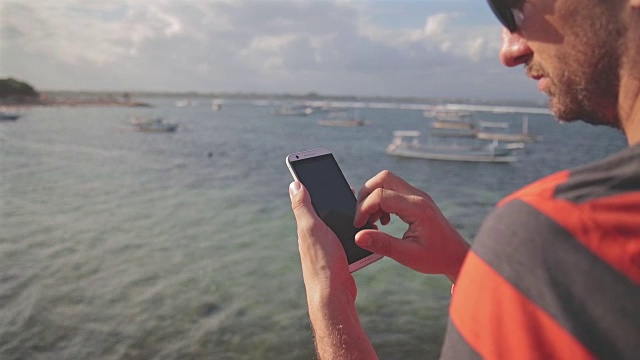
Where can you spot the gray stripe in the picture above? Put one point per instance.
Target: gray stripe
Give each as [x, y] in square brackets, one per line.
[455, 347]
[591, 300]
[615, 175]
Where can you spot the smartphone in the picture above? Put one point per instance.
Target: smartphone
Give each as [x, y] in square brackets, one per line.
[332, 199]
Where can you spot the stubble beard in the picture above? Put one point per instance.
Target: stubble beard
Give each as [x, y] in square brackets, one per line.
[585, 83]
[590, 96]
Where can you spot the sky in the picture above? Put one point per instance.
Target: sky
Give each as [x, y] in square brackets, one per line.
[402, 48]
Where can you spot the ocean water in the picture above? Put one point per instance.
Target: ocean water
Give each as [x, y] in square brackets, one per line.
[116, 244]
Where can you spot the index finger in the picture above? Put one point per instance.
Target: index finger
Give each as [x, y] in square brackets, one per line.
[408, 208]
[385, 180]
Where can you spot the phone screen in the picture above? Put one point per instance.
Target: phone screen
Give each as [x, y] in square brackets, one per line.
[332, 199]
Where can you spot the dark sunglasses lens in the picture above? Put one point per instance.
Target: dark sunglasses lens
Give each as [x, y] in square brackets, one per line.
[504, 14]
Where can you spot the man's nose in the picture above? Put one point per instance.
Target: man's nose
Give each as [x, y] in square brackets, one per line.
[515, 50]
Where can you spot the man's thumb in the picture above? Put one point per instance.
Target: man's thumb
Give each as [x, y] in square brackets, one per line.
[300, 201]
[294, 187]
[376, 242]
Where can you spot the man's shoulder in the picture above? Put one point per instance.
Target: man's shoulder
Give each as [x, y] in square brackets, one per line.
[572, 277]
[543, 188]
[561, 251]
[617, 174]
[593, 211]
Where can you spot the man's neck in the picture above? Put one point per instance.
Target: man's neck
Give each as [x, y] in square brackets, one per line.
[629, 107]
[632, 125]
[629, 97]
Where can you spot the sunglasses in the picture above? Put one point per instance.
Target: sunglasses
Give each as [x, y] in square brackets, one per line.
[509, 17]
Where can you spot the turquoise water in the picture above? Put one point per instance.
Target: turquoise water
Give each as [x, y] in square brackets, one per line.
[123, 245]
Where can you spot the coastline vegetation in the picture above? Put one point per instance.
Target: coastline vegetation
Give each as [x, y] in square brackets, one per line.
[18, 93]
[12, 90]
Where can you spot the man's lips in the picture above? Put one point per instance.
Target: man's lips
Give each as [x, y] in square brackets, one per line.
[543, 83]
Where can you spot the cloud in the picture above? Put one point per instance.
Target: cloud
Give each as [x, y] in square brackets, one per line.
[238, 45]
[436, 24]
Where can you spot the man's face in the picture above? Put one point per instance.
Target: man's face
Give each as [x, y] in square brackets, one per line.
[575, 57]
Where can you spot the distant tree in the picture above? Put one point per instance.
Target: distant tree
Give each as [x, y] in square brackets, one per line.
[12, 88]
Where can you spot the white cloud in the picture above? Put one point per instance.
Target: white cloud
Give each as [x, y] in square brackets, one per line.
[270, 43]
[298, 46]
[475, 47]
[436, 23]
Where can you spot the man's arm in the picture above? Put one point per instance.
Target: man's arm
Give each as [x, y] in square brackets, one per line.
[338, 333]
[430, 245]
[331, 289]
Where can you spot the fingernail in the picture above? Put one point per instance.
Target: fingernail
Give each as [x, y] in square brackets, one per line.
[294, 187]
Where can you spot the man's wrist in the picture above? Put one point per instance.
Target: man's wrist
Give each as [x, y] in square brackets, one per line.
[323, 296]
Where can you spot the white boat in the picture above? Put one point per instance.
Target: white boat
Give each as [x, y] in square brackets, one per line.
[216, 104]
[524, 136]
[492, 124]
[288, 110]
[445, 124]
[483, 130]
[457, 120]
[343, 120]
[408, 144]
[445, 114]
[185, 103]
[153, 125]
[453, 133]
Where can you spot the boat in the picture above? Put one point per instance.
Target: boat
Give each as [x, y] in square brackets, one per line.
[444, 118]
[506, 137]
[156, 124]
[445, 114]
[288, 110]
[216, 104]
[484, 130]
[524, 136]
[341, 119]
[408, 144]
[185, 103]
[343, 123]
[9, 116]
[454, 133]
[492, 124]
[440, 124]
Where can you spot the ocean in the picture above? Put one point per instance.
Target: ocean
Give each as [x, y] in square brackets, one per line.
[117, 244]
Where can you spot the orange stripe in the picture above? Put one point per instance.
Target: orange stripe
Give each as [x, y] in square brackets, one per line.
[543, 187]
[587, 221]
[498, 322]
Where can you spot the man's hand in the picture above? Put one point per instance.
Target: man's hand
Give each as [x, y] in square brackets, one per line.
[430, 245]
[331, 289]
[324, 262]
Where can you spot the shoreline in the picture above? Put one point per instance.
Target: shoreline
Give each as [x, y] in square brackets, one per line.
[73, 103]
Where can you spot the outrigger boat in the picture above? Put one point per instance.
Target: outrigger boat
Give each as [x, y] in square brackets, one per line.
[408, 144]
[524, 136]
[153, 125]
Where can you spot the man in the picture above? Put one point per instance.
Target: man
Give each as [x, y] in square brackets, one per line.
[554, 271]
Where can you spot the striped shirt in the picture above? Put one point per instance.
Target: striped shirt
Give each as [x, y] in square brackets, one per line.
[554, 272]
